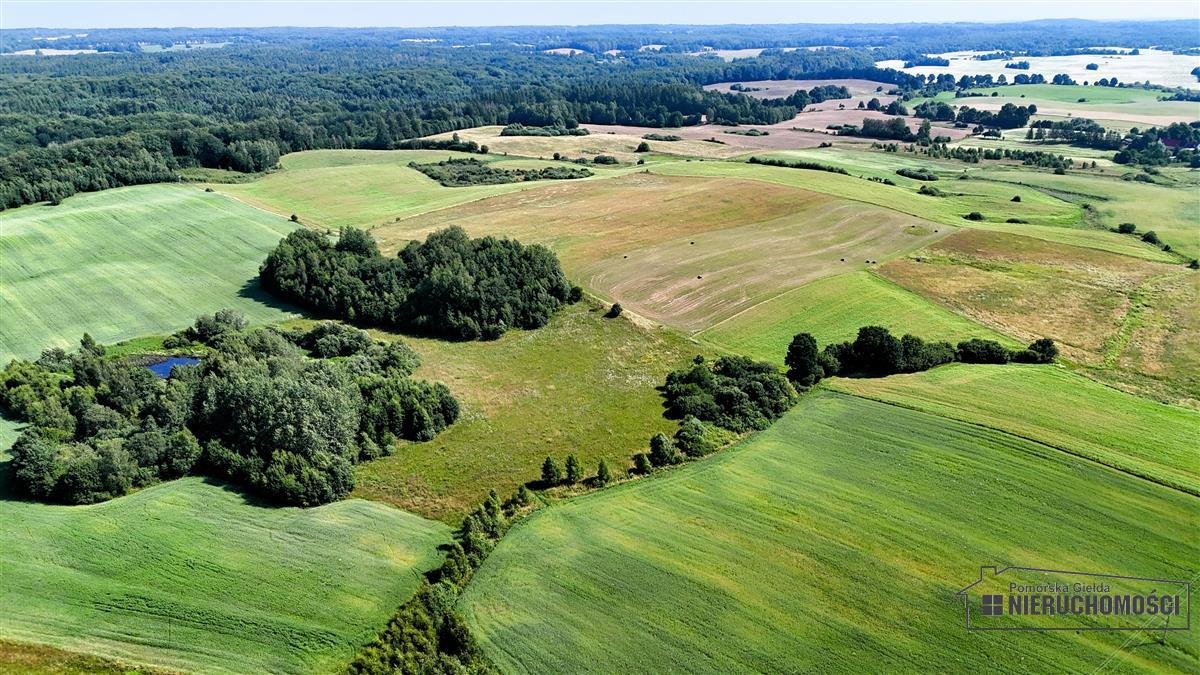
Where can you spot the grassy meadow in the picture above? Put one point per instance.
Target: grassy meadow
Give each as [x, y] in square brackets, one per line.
[189, 575]
[832, 309]
[740, 562]
[366, 188]
[582, 385]
[126, 262]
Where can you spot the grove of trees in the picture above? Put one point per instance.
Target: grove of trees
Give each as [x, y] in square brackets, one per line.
[449, 285]
[266, 409]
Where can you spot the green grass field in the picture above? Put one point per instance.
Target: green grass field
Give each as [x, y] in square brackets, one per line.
[127, 262]
[1116, 107]
[366, 188]
[833, 542]
[188, 575]
[833, 309]
[1056, 407]
[1172, 212]
[582, 385]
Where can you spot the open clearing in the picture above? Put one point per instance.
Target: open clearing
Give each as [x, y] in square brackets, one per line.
[738, 562]
[583, 384]
[685, 252]
[832, 309]
[190, 575]
[127, 262]
[23, 658]
[1152, 65]
[1056, 407]
[1093, 304]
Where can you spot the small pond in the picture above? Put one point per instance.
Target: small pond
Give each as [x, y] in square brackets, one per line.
[164, 367]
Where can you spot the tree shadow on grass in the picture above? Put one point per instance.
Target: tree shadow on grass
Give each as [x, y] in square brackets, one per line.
[253, 290]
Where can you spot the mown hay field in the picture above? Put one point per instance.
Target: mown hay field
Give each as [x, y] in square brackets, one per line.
[686, 252]
[738, 562]
[128, 262]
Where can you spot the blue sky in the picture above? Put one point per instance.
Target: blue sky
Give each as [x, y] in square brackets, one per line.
[208, 13]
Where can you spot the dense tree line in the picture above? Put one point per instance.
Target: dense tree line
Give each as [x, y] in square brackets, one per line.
[463, 172]
[1079, 131]
[272, 411]
[1009, 116]
[449, 285]
[517, 129]
[796, 164]
[875, 352]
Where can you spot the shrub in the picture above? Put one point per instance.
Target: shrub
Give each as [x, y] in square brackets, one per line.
[643, 147]
[977, 350]
[1126, 228]
[974, 215]
[1151, 237]
[614, 311]
[917, 174]
[604, 159]
[1016, 198]
[663, 451]
[931, 191]
[641, 463]
[691, 438]
[603, 476]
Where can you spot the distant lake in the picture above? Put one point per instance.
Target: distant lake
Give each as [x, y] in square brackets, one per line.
[163, 368]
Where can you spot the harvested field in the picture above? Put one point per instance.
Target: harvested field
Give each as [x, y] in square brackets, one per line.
[686, 252]
[1152, 65]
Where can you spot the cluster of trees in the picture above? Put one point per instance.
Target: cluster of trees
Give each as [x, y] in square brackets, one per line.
[518, 129]
[819, 94]
[796, 164]
[875, 352]
[1018, 65]
[1038, 158]
[926, 60]
[734, 393]
[266, 409]
[1009, 116]
[553, 476]
[449, 285]
[894, 129]
[463, 172]
[662, 137]
[1079, 131]
[1154, 146]
[454, 143]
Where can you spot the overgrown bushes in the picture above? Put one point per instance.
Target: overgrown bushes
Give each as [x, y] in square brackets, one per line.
[266, 409]
[797, 164]
[518, 129]
[449, 285]
[735, 393]
[467, 171]
[917, 174]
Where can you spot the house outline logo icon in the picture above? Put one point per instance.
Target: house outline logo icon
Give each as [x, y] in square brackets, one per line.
[992, 605]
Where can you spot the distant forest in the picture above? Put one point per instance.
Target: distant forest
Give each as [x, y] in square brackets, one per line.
[91, 122]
